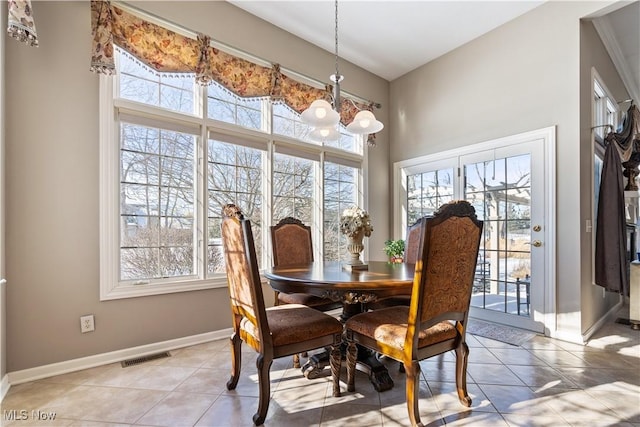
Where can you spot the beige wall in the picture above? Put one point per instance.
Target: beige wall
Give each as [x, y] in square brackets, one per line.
[52, 261]
[520, 77]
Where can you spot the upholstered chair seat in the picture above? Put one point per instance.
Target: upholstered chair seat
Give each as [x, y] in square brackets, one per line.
[388, 326]
[292, 323]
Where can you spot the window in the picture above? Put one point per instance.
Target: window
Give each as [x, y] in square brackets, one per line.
[604, 115]
[224, 106]
[233, 176]
[293, 190]
[427, 191]
[340, 190]
[173, 153]
[157, 204]
[604, 110]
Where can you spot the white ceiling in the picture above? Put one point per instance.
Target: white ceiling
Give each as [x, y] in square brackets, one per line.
[620, 34]
[391, 37]
[388, 38]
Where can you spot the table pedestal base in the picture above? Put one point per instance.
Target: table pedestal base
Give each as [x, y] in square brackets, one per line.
[366, 362]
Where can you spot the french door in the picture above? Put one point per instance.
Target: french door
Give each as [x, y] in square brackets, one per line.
[508, 183]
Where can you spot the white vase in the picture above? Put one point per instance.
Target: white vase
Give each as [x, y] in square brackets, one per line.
[355, 246]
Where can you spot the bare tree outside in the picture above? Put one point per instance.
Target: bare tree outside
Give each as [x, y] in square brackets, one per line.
[340, 192]
[157, 203]
[233, 176]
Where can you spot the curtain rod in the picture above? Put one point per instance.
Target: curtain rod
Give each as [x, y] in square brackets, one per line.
[229, 49]
[602, 126]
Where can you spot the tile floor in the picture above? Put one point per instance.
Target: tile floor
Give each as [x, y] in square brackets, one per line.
[544, 382]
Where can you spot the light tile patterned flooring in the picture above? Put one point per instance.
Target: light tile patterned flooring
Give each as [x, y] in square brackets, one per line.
[545, 382]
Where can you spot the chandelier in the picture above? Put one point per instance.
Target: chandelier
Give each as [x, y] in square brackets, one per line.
[324, 117]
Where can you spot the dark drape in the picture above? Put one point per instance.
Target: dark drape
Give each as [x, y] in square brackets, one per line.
[611, 252]
[627, 140]
[612, 262]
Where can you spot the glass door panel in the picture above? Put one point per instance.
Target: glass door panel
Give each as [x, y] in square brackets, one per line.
[501, 184]
[500, 188]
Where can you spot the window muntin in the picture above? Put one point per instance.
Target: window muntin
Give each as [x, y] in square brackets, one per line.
[293, 188]
[340, 192]
[172, 164]
[500, 191]
[287, 122]
[347, 141]
[227, 107]
[233, 176]
[141, 84]
[157, 203]
[426, 191]
[604, 110]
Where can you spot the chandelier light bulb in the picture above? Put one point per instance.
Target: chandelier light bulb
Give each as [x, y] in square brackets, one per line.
[322, 134]
[320, 114]
[364, 122]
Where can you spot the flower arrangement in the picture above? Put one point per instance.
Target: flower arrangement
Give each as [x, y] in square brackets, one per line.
[355, 220]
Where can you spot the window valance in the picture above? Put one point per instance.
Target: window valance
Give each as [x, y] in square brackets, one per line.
[20, 23]
[166, 51]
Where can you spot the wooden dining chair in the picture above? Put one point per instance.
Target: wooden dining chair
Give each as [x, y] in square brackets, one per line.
[272, 332]
[436, 320]
[412, 241]
[292, 245]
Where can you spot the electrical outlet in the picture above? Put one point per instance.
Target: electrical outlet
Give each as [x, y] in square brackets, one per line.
[87, 324]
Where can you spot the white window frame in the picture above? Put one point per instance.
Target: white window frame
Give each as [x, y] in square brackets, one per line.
[110, 110]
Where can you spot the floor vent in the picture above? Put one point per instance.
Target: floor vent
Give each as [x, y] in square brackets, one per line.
[143, 359]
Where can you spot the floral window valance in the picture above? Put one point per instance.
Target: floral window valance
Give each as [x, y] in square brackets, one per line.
[164, 50]
[20, 23]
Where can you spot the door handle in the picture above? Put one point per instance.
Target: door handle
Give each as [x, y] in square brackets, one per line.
[537, 243]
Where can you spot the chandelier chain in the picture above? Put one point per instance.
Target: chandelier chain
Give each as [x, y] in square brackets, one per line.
[336, 41]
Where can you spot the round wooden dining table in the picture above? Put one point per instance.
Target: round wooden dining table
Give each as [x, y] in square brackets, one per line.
[354, 288]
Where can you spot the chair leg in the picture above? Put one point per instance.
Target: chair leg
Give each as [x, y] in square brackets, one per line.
[296, 361]
[336, 361]
[264, 365]
[236, 355]
[413, 391]
[462, 355]
[352, 354]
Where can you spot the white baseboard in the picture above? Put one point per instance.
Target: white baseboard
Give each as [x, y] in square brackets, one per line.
[577, 337]
[32, 374]
[568, 336]
[612, 314]
[4, 387]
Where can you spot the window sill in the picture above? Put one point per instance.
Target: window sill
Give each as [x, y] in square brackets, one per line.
[121, 291]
